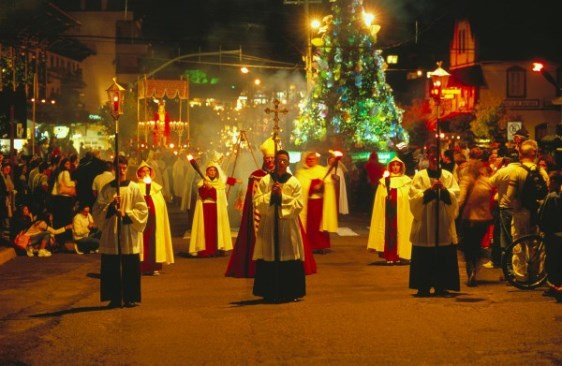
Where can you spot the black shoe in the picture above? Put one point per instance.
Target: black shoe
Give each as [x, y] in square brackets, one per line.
[114, 304]
[131, 304]
[472, 280]
[550, 292]
[442, 292]
[422, 293]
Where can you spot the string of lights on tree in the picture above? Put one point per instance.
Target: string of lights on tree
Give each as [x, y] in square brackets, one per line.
[349, 95]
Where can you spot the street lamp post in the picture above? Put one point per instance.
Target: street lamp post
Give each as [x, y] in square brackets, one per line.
[439, 79]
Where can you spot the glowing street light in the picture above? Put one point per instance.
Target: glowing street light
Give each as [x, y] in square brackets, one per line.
[368, 18]
[538, 66]
[315, 24]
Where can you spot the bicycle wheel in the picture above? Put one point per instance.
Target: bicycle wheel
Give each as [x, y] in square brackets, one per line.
[523, 262]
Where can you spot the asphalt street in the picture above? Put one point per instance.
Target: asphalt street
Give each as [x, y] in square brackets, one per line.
[357, 311]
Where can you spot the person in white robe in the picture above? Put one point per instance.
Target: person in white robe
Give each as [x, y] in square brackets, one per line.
[126, 213]
[340, 170]
[433, 201]
[279, 251]
[159, 166]
[179, 172]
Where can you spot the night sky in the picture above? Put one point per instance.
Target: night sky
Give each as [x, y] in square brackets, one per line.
[274, 30]
[271, 29]
[265, 28]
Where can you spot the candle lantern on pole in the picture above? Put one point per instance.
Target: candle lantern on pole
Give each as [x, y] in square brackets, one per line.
[116, 96]
[439, 80]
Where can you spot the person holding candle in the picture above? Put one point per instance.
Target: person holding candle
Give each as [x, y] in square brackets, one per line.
[391, 219]
[157, 236]
[319, 215]
[210, 231]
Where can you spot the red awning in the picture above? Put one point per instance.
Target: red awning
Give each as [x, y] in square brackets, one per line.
[163, 88]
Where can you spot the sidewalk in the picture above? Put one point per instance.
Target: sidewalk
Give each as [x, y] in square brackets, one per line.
[6, 254]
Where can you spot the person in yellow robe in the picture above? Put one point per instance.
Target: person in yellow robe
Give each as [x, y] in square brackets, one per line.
[391, 220]
[319, 215]
[157, 236]
[210, 231]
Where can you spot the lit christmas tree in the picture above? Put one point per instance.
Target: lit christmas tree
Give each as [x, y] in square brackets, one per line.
[349, 96]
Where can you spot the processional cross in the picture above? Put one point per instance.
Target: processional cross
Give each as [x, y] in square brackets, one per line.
[276, 112]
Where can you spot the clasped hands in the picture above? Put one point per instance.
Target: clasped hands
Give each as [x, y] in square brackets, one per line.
[432, 193]
[116, 203]
[276, 189]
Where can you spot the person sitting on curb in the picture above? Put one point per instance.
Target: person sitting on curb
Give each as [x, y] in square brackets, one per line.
[86, 235]
[42, 234]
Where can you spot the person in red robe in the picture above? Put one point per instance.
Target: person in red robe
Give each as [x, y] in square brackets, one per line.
[391, 221]
[210, 231]
[241, 264]
[319, 215]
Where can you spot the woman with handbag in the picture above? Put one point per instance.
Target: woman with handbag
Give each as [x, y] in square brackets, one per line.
[19, 223]
[63, 197]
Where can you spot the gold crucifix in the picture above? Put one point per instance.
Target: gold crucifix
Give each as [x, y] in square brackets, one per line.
[276, 112]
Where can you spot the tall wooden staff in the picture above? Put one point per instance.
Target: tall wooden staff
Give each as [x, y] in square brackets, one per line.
[439, 78]
[116, 94]
[276, 140]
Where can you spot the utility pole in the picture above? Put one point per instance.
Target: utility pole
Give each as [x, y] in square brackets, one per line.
[308, 56]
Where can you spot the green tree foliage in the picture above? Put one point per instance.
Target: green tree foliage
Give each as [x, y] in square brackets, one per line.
[349, 96]
[489, 116]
